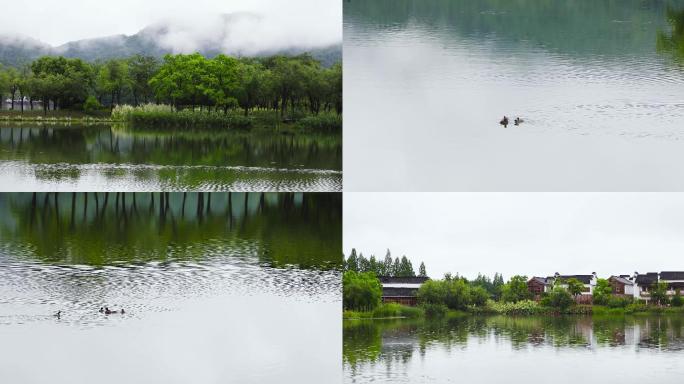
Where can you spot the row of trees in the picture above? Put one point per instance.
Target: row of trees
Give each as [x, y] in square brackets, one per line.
[279, 83]
[387, 267]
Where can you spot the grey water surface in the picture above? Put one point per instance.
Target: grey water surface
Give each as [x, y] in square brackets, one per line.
[54, 157]
[496, 349]
[217, 288]
[599, 85]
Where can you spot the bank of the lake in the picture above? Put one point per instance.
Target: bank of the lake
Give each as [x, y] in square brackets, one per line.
[523, 308]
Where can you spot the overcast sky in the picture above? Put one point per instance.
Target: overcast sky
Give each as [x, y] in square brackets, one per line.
[520, 233]
[59, 21]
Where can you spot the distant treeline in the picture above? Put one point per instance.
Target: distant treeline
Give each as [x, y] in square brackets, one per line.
[280, 83]
[387, 267]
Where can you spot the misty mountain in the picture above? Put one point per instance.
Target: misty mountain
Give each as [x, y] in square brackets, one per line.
[226, 34]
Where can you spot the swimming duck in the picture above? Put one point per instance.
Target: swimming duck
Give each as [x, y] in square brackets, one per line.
[108, 311]
[504, 121]
[518, 121]
[101, 309]
[58, 314]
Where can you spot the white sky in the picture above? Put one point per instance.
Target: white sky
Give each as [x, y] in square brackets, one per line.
[59, 21]
[520, 233]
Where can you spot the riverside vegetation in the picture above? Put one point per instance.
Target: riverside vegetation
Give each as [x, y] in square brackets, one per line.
[455, 296]
[180, 91]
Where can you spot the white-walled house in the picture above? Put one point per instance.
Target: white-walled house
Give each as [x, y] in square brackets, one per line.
[674, 280]
[589, 281]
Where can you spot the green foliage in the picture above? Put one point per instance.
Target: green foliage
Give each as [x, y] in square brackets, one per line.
[455, 294]
[397, 310]
[522, 307]
[389, 267]
[677, 299]
[603, 292]
[515, 290]
[559, 298]
[575, 287]
[617, 302]
[163, 116]
[310, 93]
[421, 270]
[435, 310]
[91, 105]
[659, 293]
[323, 122]
[361, 291]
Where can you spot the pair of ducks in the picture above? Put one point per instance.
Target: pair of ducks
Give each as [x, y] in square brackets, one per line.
[107, 311]
[104, 310]
[504, 121]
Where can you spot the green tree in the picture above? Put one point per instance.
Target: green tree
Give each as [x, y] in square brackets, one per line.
[478, 296]
[497, 286]
[405, 268]
[361, 291]
[353, 261]
[364, 264]
[141, 69]
[515, 290]
[421, 270]
[560, 298]
[575, 287]
[659, 293]
[432, 292]
[388, 265]
[677, 299]
[602, 292]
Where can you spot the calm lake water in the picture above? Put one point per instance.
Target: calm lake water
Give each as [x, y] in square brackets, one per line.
[232, 288]
[106, 158]
[427, 81]
[500, 349]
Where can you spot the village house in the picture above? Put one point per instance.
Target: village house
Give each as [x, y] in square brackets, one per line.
[538, 285]
[674, 280]
[623, 285]
[644, 283]
[401, 290]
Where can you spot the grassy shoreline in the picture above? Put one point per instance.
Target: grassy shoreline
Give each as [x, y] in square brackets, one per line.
[163, 118]
[397, 311]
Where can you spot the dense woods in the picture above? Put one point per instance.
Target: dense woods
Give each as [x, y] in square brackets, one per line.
[185, 81]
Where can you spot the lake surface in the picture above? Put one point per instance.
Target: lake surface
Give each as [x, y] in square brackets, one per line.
[635, 349]
[233, 288]
[108, 158]
[427, 81]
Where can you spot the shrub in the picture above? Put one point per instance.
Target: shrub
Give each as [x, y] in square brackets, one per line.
[396, 310]
[677, 299]
[515, 290]
[321, 123]
[361, 291]
[91, 105]
[618, 302]
[435, 310]
[523, 307]
[560, 298]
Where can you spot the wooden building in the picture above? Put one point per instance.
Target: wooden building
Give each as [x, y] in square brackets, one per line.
[401, 290]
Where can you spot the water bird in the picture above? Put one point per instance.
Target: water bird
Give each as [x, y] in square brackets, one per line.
[518, 121]
[504, 121]
[108, 311]
[58, 314]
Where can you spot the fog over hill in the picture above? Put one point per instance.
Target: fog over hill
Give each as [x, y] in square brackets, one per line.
[240, 34]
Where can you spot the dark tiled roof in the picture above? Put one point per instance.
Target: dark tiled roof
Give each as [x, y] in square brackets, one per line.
[399, 292]
[585, 279]
[672, 275]
[402, 280]
[621, 279]
[647, 279]
[540, 280]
